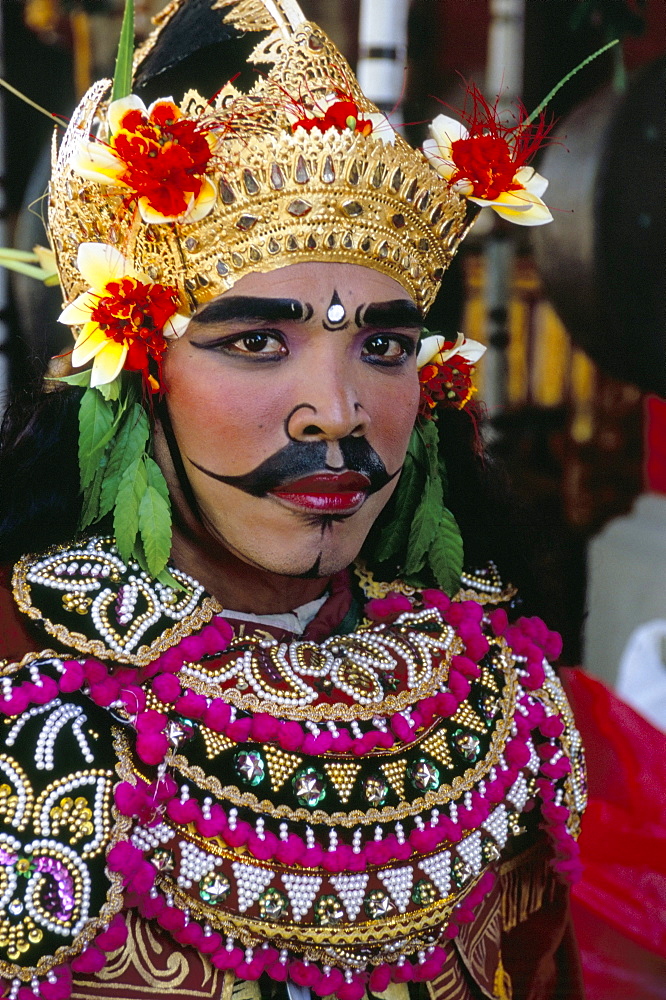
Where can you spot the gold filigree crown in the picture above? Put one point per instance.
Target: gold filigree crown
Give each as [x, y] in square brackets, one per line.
[283, 192]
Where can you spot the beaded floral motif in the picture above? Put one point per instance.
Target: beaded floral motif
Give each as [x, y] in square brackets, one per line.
[90, 600]
[57, 824]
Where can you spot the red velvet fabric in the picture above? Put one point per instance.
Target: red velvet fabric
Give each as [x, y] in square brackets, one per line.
[620, 905]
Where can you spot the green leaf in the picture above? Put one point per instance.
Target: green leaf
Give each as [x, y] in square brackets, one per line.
[90, 510]
[156, 479]
[155, 529]
[96, 427]
[424, 527]
[110, 390]
[446, 553]
[392, 537]
[79, 378]
[565, 79]
[131, 489]
[122, 77]
[128, 446]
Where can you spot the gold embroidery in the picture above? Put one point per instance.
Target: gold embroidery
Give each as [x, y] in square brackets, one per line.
[280, 765]
[502, 982]
[158, 966]
[343, 775]
[395, 775]
[168, 637]
[438, 748]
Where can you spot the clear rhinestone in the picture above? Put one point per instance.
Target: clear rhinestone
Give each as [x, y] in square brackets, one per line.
[301, 176]
[298, 207]
[352, 208]
[246, 222]
[191, 243]
[277, 177]
[250, 182]
[377, 904]
[250, 766]
[309, 787]
[328, 171]
[214, 888]
[221, 268]
[226, 194]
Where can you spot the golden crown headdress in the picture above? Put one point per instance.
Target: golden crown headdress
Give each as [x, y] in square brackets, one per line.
[277, 190]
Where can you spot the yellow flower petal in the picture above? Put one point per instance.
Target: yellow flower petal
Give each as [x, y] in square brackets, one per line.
[100, 263]
[176, 326]
[120, 107]
[439, 158]
[204, 203]
[79, 310]
[108, 363]
[96, 162]
[531, 181]
[89, 342]
[151, 216]
[523, 208]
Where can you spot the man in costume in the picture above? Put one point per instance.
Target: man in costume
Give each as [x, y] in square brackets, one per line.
[263, 734]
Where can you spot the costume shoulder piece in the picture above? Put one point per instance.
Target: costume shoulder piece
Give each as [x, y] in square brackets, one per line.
[333, 812]
[92, 602]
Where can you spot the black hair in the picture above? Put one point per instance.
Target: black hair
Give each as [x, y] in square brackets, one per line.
[40, 503]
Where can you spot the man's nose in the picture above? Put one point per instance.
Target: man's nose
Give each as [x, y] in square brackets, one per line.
[330, 411]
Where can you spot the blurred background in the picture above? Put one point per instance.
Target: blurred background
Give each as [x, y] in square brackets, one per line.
[574, 316]
[573, 313]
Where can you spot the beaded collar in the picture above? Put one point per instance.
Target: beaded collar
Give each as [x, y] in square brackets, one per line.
[331, 812]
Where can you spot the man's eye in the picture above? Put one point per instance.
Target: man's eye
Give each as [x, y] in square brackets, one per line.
[388, 348]
[259, 342]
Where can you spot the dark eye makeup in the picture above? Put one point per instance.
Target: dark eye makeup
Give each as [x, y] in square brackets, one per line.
[385, 349]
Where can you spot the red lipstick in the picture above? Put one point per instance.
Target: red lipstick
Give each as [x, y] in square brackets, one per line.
[325, 492]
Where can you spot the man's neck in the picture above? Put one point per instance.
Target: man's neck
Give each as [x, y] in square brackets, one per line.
[237, 585]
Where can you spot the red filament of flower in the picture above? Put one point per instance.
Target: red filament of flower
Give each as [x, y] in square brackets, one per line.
[486, 161]
[494, 150]
[165, 157]
[135, 313]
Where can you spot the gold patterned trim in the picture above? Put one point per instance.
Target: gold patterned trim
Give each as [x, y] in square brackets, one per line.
[444, 794]
[337, 711]
[378, 588]
[169, 637]
[317, 942]
[7, 667]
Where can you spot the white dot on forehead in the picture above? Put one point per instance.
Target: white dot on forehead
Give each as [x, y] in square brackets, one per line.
[335, 313]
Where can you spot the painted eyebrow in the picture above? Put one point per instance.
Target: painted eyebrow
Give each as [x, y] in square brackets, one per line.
[395, 313]
[248, 308]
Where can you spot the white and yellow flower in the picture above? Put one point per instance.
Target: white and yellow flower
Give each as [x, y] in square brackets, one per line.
[155, 154]
[124, 317]
[433, 350]
[487, 165]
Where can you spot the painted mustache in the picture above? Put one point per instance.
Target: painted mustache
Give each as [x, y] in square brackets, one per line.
[301, 459]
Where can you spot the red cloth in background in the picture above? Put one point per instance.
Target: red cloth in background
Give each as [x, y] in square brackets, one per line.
[655, 444]
[619, 907]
